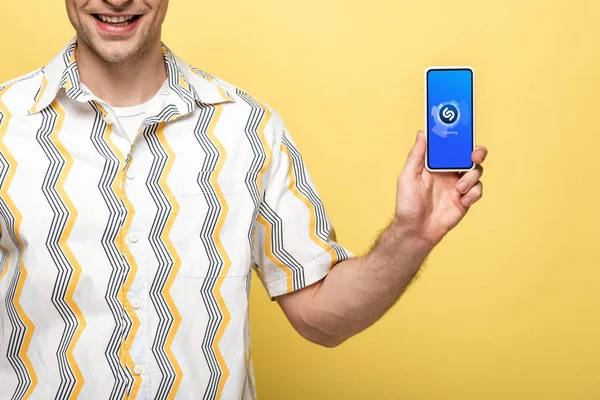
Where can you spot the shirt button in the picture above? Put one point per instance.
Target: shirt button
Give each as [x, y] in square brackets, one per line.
[138, 370]
[135, 303]
[130, 175]
[108, 119]
[133, 237]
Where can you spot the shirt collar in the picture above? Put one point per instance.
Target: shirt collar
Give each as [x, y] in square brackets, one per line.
[189, 86]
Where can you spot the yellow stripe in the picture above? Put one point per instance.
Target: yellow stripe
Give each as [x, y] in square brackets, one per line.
[18, 218]
[271, 256]
[183, 83]
[63, 243]
[68, 84]
[311, 210]
[217, 239]
[117, 187]
[224, 94]
[137, 382]
[160, 134]
[40, 95]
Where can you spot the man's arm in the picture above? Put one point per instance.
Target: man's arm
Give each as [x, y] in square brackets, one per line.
[358, 292]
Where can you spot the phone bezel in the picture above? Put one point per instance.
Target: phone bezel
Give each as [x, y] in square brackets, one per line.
[426, 108]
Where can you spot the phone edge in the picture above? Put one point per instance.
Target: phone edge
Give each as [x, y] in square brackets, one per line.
[426, 122]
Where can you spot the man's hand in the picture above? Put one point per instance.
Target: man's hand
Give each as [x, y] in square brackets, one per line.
[429, 204]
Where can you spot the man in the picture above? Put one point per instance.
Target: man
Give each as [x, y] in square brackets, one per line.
[135, 194]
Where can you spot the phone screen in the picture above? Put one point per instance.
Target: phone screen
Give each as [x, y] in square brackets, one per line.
[450, 118]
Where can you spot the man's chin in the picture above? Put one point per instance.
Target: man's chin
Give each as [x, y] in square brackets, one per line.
[115, 53]
[115, 50]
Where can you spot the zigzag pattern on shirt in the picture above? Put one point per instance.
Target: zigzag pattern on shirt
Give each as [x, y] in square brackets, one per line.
[69, 269]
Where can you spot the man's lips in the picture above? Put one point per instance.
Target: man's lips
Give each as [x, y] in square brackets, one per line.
[115, 24]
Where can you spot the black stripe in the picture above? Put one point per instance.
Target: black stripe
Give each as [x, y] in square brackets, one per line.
[278, 247]
[174, 74]
[165, 262]
[215, 261]
[65, 269]
[322, 223]
[18, 331]
[120, 268]
[256, 116]
[72, 72]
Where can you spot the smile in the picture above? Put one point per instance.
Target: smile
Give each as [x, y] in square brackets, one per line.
[119, 21]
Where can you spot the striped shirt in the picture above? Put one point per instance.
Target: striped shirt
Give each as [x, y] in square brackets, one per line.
[125, 267]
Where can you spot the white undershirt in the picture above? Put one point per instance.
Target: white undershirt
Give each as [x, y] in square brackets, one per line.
[131, 118]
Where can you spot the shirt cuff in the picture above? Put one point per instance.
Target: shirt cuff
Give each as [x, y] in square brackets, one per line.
[313, 270]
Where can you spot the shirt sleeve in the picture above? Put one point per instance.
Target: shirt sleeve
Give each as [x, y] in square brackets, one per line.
[295, 244]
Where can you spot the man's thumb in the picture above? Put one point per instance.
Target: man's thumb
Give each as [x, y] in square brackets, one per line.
[416, 156]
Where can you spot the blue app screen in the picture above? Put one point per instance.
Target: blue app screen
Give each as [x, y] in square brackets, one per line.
[450, 118]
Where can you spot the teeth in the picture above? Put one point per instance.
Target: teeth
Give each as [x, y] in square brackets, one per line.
[115, 20]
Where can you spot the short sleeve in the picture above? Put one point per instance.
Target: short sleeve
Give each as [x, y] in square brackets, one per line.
[295, 244]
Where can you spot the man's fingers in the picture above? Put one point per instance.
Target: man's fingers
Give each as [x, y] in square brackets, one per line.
[416, 157]
[479, 154]
[468, 180]
[472, 195]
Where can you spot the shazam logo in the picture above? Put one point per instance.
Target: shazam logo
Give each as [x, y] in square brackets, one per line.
[448, 114]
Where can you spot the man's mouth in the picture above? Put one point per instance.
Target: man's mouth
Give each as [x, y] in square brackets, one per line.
[122, 20]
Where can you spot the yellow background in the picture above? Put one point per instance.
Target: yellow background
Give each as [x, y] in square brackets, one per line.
[508, 305]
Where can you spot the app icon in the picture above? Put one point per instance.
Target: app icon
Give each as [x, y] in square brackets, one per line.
[448, 114]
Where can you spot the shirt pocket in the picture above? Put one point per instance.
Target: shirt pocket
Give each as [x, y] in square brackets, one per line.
[210, 232]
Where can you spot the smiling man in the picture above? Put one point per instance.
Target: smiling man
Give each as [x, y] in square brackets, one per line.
[136, 196]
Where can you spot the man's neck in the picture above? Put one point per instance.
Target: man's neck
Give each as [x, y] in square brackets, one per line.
[122, 85]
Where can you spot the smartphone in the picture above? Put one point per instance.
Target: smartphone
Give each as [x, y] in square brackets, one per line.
[449, 118]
